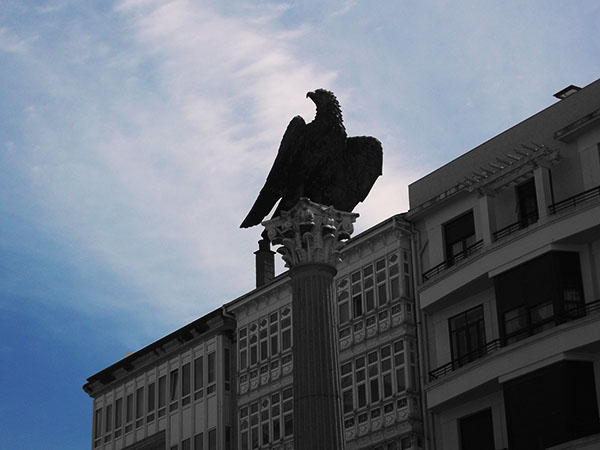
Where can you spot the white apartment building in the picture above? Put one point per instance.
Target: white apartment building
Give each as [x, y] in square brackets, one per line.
[507, 239]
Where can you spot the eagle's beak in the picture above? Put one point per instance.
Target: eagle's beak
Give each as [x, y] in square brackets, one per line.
[310, 94]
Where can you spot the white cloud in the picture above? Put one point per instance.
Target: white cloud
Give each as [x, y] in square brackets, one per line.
[150, 154]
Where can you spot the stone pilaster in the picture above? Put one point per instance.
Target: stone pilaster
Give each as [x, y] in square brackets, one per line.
[311, 237]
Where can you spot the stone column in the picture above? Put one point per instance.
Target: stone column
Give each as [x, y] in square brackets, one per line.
[311, 236]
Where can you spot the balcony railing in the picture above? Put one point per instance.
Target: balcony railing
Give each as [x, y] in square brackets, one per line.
[524, 222]
[478, 353]
[575, 200]
[573, 312]
[452, 261]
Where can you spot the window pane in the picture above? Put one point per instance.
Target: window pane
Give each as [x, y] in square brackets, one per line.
[198, 373]
[199, 441]
[361, 391]
[375, 390]
[288, 425]
[357, 306]
[151, 396]
[286, 337]
[139, 403]
[174, 384]
[348, 401]
[226, 364]
[119, 413]
[400, 380]
[129, 407]
[212, 439]
[108, 421]
[211, 368]
[387, 385]
[344, 311]
[162, 391]
[185, 379]
[370, 300]
[98, 423]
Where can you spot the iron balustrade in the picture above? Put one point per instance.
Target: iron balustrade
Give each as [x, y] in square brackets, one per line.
[575, 310]
[571, 202]
[486, 349]
[453, 260]
[513, 227]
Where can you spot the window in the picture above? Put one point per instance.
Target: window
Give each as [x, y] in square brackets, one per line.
[151, 397]
[129, 408]
[365, 290]
[212, 439]
[459, 234]
[98, 423]
[266, 421]
[139, 403]
[185, 380]
[539, 294]
[515, 324]
[174, 385]
[467, 336]
[198, 373]
[211, 367]
[226, 368]
[243, 346]
[477, 431]
[118, 413]
[108, 421]
[162, 391]
[527, 203]
[185, 444]
[376, 377]
[199, 441]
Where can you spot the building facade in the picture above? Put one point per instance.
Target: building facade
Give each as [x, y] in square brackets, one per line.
[508, 245]
[471, 322]
[225, 381]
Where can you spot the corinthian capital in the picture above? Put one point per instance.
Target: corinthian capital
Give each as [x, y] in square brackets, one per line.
[310, 233]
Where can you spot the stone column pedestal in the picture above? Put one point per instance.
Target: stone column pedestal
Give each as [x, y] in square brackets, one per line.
[311, 236]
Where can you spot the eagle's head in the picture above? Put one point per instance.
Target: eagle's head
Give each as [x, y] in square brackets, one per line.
[328, 108]
[322, 97]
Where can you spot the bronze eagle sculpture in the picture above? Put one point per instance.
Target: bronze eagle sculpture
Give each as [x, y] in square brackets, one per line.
[318, 161]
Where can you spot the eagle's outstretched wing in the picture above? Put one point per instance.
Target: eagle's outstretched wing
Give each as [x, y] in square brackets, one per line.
[277, 180]
[355, 172]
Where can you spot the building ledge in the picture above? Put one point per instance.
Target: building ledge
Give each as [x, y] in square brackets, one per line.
[585, 443]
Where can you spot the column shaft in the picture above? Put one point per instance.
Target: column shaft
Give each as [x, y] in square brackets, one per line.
[317, 403]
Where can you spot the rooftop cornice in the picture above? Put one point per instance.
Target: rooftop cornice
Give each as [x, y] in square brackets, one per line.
[214, 322]
[502, 172]
[572, 130]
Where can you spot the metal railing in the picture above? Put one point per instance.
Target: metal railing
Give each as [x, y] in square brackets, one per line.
[453, 260]
[574, 312]
[573, 201]
[486, 349]
[513, 227]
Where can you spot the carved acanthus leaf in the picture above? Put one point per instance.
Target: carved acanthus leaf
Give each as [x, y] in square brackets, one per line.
[310, 233]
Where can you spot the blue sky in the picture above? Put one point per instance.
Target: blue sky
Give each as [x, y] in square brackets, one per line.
[135, 135]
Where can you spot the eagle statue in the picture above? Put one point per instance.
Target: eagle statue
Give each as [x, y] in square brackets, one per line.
[318, 161]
